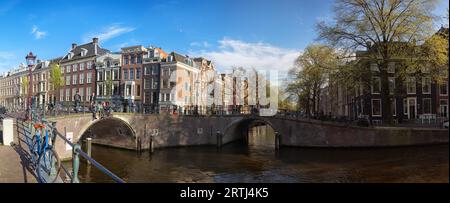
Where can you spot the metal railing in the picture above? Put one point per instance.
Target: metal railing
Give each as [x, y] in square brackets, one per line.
[76, 152]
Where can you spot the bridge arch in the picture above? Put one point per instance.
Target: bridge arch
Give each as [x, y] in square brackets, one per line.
[238, 130]
[112, 131]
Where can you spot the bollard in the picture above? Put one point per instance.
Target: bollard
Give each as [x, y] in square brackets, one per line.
[75, 163]
[152, 146]
[8, 131]
[89, 148]
[277, 140]
[219, 139]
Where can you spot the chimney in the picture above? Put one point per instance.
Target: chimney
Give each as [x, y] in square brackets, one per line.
[95, 41]
[74, 45]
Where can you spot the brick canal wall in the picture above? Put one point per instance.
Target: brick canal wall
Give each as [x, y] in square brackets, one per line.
[175, 131]
[304, 133]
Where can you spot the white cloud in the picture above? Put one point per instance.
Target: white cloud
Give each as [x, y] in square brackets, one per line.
[38, 34]
[200, 44]
[261, 56]
[108, 32]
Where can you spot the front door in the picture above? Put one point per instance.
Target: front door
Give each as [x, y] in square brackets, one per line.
[412, 109]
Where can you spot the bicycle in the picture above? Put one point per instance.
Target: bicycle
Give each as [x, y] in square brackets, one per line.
[48, 165]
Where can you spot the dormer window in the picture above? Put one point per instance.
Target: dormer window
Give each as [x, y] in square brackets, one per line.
[70, 55]
[84, 52]
[170, 58]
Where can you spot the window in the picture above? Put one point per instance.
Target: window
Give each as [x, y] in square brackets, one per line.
[411, 85]
[376, 107]
[81, 66]
[100, 76]
[391, 85]
[376, 85]
[155, 84]
[164, 84]
[426, 85]
[443, 108]
[138, 73]
[125, 58]
[115, 74]
[139, 59]
[168, 97]
[394, 107]
[81, 78]
[67, 94]
[89, 65]
[138, 90]
[74, 79]
[100, 89]
[89, 78]
[148, 70]
[68, 80]
[405, 107]
[61, 95]
[147, 83]
[125, 74]
[427, 106]
[391, 67]
[374, 67]
[155, 70]
[131, 74]
[88, 93]
[133, 59]
[443, 88]
[74, 67]
[81, 91]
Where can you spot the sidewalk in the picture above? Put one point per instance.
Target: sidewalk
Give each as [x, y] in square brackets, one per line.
[14, 162]
[13, 166]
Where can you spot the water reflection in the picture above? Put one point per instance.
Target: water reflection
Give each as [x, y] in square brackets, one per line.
[258, 162]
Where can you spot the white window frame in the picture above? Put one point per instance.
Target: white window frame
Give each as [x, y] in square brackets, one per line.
[423, 106]
[391, 67]
[423, 85]
[381, 110]
[408, 83]
[446, 86]
[393, 81]
[379, 85]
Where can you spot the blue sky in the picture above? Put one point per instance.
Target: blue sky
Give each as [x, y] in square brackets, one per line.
[252, 32]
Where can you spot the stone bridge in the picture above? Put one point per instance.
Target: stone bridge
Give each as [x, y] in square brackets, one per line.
[125, 130]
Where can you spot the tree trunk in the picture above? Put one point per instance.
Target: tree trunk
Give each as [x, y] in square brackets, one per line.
[385, 96]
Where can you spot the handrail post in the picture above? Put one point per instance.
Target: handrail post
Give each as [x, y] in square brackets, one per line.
[75, 163]
[89, 148]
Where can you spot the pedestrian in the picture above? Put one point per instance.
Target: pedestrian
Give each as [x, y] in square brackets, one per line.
[92, 99]
[77, 99]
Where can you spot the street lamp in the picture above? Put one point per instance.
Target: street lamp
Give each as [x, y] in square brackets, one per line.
[30, 62]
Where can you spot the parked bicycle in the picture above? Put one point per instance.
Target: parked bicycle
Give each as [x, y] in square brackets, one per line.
[43, 154]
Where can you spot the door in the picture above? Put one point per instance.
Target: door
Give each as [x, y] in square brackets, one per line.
[412, 109]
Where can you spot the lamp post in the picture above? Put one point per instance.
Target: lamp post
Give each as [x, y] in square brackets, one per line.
[30, 62]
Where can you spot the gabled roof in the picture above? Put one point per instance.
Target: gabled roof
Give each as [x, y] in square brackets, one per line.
[90, 47]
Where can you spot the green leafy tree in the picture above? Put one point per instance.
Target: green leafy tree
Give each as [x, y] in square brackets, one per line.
[108, 85]
[56, 78]
[389, 30]
[312, 72]
[25, 83]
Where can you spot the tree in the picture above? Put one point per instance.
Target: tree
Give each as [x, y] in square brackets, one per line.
[108, 85]
[56, 78]
[313, 70]
[25, 83]
[388, 29]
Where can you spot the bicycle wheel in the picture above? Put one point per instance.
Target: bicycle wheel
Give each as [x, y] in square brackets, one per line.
[35, 145]
[49, 166]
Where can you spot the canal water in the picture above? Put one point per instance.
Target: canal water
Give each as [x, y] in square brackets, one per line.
[259, 162]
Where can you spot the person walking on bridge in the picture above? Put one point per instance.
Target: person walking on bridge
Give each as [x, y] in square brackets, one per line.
[92, 99]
